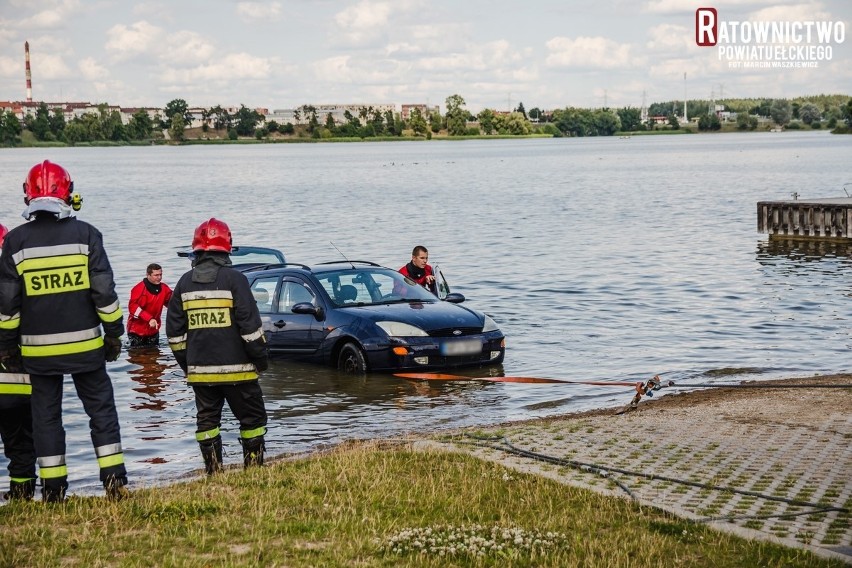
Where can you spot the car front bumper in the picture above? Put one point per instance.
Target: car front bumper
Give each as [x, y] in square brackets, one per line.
[429, 353]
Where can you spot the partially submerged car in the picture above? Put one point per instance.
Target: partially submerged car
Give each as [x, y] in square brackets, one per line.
[359, 316]
[245, 258]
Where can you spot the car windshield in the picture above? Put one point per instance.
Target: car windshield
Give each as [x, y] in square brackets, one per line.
[366, 286]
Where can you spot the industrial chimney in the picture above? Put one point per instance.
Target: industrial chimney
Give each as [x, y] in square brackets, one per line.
[29, 76]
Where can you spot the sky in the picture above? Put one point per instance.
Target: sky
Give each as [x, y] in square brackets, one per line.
[283, 54]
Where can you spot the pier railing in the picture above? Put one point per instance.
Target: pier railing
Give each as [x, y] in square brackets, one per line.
[808, 219]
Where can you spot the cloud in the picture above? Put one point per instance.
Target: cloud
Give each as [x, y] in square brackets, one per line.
[127, 42]
[364, 21]
[92, 70]
[803, 12]
[588, 52]
[226, 69]
[681, 7]
[671, 38]
[259, 11]
[54, 15]
[187, 48]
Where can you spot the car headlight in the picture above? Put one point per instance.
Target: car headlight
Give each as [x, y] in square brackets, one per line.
[489, 325]
[399, 329]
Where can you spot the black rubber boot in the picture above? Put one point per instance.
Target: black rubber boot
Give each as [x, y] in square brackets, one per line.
[115, 488]
[53, 490]
[211, 451]
[253, 451]
[21, 490]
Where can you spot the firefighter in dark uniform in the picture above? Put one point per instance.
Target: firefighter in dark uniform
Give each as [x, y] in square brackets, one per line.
[56, 294]
[16, 419]
[214, 329]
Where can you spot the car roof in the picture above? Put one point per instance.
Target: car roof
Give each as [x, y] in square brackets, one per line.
[320, 268]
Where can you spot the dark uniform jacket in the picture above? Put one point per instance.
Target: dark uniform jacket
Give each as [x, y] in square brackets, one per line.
[214, 327]
[56, 292]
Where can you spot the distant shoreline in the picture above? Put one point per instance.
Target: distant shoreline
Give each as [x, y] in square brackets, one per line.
[437, 138]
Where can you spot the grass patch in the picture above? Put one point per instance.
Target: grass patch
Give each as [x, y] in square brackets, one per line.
[368, 505]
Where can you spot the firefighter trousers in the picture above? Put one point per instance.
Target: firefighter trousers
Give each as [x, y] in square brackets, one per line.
[245, 401]
[16, 431]
[94, 389]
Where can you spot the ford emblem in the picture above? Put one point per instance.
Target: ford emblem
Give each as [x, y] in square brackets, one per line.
[457, 332]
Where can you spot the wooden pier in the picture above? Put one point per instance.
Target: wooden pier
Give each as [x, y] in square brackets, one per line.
[829, 218]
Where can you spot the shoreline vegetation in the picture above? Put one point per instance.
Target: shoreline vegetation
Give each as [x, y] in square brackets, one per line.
[381, 503]
[177, 123]
[372, 504]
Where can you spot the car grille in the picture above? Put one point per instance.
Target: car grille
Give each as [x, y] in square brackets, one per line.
[451, 331]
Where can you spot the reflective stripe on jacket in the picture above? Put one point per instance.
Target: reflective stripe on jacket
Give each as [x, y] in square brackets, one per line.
[15, 384]
[214, 329]
[56, 294]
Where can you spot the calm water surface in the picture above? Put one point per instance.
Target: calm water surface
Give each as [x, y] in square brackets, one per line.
[601, 259]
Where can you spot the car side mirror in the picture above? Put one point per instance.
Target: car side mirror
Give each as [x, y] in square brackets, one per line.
[309, 308]
[454, 298]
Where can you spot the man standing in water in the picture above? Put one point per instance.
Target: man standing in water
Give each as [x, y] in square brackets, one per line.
[147, 299]
[56, 293]
[419, 270]
[215, 332]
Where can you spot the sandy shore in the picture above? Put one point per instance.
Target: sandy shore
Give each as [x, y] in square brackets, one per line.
[768, 463]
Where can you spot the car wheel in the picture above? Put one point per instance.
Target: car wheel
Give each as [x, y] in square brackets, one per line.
[351, 360]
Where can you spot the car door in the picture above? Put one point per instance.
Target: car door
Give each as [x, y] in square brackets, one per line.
[291, 333]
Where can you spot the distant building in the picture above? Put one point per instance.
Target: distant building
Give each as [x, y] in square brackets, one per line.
[302, 114]
[425, 110]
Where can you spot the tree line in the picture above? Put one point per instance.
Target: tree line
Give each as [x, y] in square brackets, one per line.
[369, 122]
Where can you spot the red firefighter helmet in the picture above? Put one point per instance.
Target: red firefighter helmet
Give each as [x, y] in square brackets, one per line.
[48, 180]
[3, 231]
[212, 235]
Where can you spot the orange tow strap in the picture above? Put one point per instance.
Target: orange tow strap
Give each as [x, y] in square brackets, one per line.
[445, 377]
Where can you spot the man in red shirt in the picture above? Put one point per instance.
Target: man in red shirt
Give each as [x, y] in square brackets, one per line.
[418, 269]
[146, 306]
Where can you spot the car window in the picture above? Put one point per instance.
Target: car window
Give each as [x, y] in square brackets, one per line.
[370, 286]
[263, 290]
[293, 293]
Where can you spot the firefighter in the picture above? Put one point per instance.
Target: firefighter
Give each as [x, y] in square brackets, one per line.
[56, 296]
[16, 419]
[214, 329]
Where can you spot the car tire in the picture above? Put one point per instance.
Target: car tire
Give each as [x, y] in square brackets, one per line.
[351, 360]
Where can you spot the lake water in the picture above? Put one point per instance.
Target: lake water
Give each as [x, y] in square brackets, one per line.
[601, 259]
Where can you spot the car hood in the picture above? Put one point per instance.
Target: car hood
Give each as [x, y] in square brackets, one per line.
[425, 315]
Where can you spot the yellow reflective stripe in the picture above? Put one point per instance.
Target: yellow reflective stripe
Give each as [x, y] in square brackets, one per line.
[208, 303]
[220, 377]
[246, 434]
[10, 322]
[53, 261]
[110, 313]
[110, 317]
[21, 479]
[16, 389]
[178, 346]
[53, 472]
[109, 461]
[62, 349]
[208, 435]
